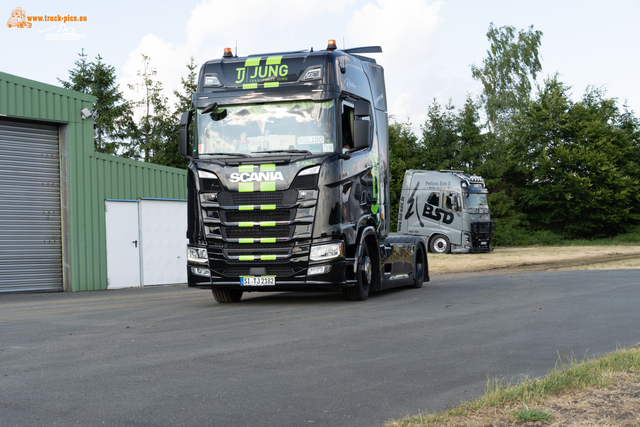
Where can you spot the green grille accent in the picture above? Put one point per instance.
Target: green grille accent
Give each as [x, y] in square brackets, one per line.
[245, 187]
[267, 186]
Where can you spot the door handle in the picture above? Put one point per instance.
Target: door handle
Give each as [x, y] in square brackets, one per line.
[135, 242]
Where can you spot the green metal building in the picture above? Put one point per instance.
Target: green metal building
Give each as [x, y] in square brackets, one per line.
[53, 187]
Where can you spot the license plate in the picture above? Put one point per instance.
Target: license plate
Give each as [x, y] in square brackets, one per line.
[483, 243]
[258, 281]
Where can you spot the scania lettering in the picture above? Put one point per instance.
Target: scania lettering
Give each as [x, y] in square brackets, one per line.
[254, 176]
[288, 180]
[448, 208]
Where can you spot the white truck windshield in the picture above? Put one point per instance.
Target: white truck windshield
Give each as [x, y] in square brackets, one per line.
[264, 129]
[475, 201]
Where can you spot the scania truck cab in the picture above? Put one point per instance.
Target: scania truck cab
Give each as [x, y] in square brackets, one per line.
[448, 208]
[288, 181]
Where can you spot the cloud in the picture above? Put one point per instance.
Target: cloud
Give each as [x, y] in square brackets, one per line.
[168, 62]
[408, 32]
[256, 26]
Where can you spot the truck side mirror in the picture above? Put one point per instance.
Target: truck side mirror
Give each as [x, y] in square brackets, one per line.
[361, 134]
[362, 109]
[361, 128]
[185, 121]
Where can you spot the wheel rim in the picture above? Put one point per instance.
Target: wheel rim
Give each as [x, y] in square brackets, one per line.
[366, 272]
[440, 245]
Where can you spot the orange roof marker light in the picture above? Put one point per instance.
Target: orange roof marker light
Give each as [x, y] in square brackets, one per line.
[227, 53]
[331, 45]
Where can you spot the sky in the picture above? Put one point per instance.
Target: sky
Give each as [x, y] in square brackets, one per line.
[428, 46]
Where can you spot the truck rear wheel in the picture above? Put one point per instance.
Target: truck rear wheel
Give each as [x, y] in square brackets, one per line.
[226, 295]
[360, 291]
[420, 268]
[440, 244]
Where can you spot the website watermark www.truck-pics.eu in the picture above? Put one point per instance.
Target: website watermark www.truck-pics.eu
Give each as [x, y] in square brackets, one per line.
[20, 19]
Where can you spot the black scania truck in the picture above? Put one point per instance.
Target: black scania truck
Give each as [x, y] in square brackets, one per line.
[288, 181]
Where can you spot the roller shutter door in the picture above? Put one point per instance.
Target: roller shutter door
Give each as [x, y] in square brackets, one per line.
[30, 220]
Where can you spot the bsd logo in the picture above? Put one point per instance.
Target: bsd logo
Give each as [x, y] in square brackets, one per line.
[255, 176]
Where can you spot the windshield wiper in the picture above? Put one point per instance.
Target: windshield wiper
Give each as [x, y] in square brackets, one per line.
[226, 154]
[284, 151]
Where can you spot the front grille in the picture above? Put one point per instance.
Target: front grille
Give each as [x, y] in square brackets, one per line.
[287, 197]
[305, 181]
[482, 228]
[257, 252]
[256, 232]
[209, 184]
[257, 245]
[236, 271]
[258, 215]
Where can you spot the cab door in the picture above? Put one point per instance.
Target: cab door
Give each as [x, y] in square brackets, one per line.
[451, 216]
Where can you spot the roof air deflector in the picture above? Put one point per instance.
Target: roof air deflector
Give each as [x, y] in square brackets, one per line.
[366, 49]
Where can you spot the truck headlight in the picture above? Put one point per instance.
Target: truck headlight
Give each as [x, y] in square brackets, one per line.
[197, 255]
[200, 271]
[326, 252]
[320, 269]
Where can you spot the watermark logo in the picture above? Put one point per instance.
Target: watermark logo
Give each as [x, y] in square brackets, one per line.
[65, 34]
[18, 19]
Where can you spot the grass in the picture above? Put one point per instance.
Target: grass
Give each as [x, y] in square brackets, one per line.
[525, 237]
[531, 415]
[539, 257]
[606, 389]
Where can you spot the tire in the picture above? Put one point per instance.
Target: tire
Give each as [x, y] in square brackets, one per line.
[440, 244]
[420, 268]
[224, 296]
[364, 274]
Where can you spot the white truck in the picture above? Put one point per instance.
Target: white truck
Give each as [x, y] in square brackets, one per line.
[448, 208]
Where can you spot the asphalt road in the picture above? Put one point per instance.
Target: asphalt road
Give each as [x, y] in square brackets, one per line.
[172, 356]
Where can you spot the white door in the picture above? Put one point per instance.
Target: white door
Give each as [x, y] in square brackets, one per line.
[163, 236]
[123, 244]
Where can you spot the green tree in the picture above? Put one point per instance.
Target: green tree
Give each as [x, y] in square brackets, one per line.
[168, 153]
[113, 114]
[572, 164]
[403, 151]
[156, 123]
[189, 86]
[507, 72]
[440, 140]
[472, 142]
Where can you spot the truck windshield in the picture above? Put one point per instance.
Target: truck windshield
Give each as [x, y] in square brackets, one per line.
[267, 129]
[475, 201]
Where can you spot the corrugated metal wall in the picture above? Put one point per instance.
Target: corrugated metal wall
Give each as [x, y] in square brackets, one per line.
[87, 177]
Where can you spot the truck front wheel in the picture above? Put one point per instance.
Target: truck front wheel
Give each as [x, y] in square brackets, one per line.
[420, 268]
[360, 291]
[226, 295]
[440, 244]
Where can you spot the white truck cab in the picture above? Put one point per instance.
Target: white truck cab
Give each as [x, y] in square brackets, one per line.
[448, 208]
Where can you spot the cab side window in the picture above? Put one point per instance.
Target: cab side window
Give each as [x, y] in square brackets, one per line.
[434, 199]
[348, 116]
[451, 202]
